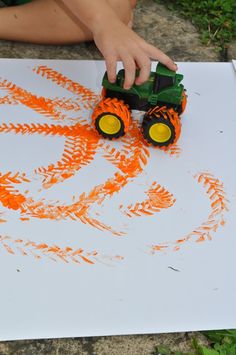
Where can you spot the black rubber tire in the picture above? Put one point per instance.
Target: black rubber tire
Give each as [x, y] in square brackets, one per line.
[120, 133]
[148, 122]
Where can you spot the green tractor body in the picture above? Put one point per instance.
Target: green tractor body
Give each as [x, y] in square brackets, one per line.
[162, 97]
[162, 88]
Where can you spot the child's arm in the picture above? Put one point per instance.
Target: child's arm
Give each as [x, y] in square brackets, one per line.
[74, 21]
[116, 41]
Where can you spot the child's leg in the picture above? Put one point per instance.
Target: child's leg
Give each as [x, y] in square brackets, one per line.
[44, 21]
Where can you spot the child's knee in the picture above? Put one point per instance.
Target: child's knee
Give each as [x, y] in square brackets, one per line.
[123, 9]
[133, 3]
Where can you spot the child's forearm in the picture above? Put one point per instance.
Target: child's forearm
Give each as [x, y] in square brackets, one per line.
[73, 21]
[41, 21]
[44, 21]
[94, 15]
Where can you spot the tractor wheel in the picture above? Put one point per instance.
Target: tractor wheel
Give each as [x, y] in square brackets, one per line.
[111, 118]
[161, 126]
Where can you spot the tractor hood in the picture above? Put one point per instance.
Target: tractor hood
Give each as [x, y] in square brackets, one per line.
[163, 84]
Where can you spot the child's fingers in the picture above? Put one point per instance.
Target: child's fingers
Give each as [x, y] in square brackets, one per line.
[157, 54]
[111, 68]
[130, 69]
[144, 64]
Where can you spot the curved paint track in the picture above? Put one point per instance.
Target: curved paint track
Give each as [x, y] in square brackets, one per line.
[158, 198]
[53, 252]
[218, 205]
[81, 145]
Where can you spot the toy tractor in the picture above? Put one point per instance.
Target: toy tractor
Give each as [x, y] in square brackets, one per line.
[162, 97]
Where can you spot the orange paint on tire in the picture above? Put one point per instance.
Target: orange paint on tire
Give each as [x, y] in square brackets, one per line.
[169, 115]
[113, 106]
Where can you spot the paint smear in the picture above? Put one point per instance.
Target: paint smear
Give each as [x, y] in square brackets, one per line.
[158, 198]
[54, 252]
[81, 145]
[216, 219]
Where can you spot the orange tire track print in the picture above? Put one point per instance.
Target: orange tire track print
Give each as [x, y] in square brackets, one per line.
[158, 198]
[81, 144]
[53, 252]
[219, 205]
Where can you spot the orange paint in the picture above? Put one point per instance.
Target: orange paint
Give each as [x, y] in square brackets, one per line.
[54, 252]
[8, 249]
[219, 206]
[158, 198]
[87, 97]
[81, 145]
[10, 197]
[171, 116]
[41, 105]
[174, 150]
[159, 247]
[114, 106]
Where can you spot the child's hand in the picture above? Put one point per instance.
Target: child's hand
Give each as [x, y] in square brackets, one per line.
[117, 42]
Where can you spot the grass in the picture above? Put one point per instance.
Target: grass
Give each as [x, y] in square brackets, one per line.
[215, 19]
[221, 342]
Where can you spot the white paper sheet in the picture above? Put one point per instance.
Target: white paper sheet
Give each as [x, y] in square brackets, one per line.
[164, 266]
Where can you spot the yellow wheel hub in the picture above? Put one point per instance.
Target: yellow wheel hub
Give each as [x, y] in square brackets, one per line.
[109, 124]
[160, 132]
